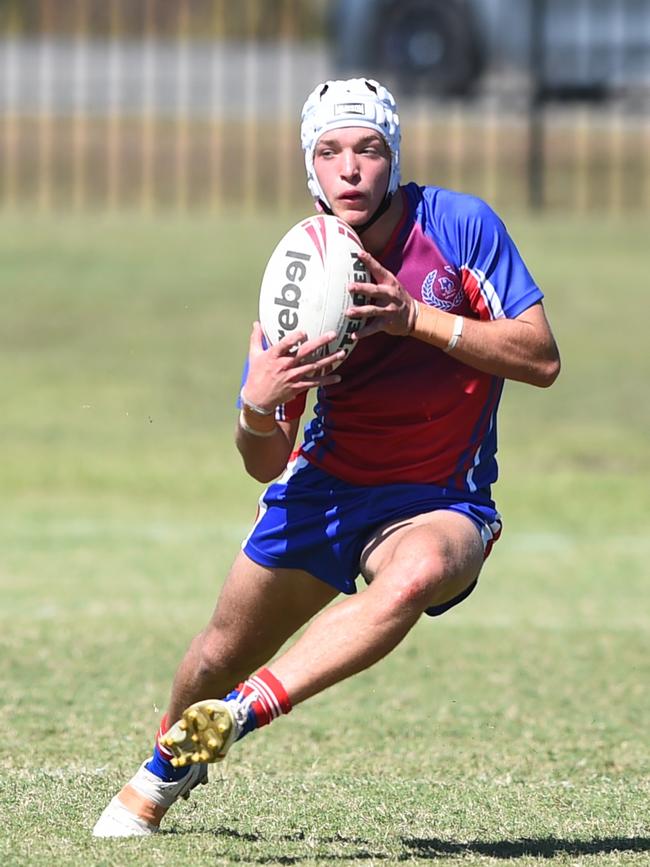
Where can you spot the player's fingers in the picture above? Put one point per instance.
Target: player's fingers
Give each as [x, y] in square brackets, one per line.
[317, 382]
[256, 341]
[318, 367]
[378, 271]
[381, 293]
[289, 344]
[373, 290]
[316, 344]
[368, 310]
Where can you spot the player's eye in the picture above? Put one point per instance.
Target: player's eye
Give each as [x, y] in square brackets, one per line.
[373, 149]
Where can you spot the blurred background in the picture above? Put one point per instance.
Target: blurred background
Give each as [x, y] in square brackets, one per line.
[149, 163]
[194, 104]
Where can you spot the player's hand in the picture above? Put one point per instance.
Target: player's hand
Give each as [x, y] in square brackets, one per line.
[390, 307]
[284, 371]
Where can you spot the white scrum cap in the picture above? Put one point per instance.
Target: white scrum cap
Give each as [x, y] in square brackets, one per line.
[356, 102]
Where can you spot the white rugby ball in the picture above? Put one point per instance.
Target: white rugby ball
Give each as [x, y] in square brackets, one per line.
[305, 284]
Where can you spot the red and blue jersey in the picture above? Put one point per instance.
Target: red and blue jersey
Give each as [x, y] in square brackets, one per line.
[405, 411]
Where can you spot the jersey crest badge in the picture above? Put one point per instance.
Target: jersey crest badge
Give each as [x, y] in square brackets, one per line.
[443, 292]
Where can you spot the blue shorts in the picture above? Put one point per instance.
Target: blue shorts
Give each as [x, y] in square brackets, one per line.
[312, 521]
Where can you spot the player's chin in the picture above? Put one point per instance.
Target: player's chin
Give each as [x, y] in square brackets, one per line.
[353, 215]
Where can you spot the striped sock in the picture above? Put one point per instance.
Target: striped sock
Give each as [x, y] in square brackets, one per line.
[160, 762]
[262, 697]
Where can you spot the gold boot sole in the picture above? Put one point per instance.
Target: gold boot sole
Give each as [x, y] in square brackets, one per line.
[203, 734]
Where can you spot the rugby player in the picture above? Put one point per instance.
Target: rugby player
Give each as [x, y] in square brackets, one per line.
[392, 478]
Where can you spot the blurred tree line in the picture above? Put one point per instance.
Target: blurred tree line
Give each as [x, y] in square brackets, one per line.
[234, 19]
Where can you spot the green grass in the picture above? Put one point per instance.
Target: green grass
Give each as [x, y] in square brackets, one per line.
[514, 730]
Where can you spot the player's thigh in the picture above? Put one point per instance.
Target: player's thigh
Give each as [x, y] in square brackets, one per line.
[266, 606]
[441, 551]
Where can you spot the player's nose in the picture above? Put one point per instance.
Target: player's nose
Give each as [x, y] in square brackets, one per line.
[349, 164]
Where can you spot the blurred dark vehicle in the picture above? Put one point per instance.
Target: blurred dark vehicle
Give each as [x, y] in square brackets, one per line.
[582, 47]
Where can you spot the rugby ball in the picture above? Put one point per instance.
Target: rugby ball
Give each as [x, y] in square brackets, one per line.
[305, 284]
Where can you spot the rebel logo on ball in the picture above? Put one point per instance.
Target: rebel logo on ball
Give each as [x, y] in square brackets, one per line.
[290, 294]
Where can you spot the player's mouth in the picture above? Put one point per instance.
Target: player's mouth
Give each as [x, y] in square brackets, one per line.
[351, 197]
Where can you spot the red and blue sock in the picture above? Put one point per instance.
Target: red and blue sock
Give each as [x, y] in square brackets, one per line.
[260, 699]
[160, 762]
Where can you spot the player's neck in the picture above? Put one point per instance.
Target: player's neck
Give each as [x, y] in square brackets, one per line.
[376, 237]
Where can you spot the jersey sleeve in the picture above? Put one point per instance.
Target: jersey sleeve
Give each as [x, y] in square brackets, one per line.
[286, 411]
[493, 273]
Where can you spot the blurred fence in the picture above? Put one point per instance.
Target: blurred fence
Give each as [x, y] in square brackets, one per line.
[194, 104]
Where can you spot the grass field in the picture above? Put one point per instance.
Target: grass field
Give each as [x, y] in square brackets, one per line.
[514, 730]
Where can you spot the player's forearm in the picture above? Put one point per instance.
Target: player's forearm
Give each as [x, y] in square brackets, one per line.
[511, 348]
[265, 445]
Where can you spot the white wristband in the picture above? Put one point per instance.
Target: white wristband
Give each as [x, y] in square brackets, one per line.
[456, 333]
[243, 424]
[257, 409]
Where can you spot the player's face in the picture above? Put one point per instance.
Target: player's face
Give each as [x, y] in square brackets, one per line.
[353, 168]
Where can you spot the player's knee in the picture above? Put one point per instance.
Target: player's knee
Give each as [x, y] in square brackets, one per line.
[422, 586]
[415, 584]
